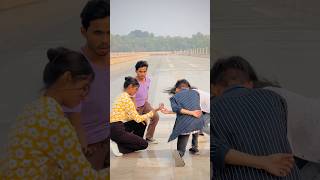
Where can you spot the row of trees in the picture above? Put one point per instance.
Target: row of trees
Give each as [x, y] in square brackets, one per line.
[138, 40]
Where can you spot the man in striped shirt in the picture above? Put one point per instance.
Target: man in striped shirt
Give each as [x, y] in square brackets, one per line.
[249, 137]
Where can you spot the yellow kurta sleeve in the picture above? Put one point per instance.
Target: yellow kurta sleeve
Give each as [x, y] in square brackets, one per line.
[65, 147]
[44, 144]
[132, 112]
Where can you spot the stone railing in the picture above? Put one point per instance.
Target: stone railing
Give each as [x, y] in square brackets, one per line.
[120, 57]
[199, 52]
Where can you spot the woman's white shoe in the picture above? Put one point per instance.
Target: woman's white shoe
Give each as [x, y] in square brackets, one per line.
[115, 149]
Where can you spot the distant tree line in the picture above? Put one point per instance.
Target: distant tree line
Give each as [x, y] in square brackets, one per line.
[138, 40]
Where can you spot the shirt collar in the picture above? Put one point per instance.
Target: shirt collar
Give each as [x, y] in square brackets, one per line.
[233, 87]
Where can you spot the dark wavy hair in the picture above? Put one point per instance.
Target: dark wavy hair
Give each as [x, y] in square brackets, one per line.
[236, 68]
[179, 84]
[94, 9]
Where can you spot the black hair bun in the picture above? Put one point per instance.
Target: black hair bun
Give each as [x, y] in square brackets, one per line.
[53, 53]
[127, 78]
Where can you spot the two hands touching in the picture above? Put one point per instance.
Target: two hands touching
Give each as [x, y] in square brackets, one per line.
[164, 110]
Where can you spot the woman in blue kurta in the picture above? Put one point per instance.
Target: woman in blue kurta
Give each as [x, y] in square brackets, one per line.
[185, 102]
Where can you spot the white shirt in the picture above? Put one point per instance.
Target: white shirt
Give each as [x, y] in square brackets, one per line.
[204, 100]
[303, 124]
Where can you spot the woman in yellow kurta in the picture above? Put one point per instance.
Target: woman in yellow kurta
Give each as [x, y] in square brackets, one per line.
[124, 110]
[44, 144]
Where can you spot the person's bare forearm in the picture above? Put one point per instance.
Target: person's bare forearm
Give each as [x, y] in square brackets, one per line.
[185, 111]
[278, 164]
[170, 112]
[234, 157]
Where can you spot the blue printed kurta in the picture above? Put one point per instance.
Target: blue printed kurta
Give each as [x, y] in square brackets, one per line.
[190, 100]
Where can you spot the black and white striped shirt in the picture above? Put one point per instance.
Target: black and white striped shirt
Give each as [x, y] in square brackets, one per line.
[252, 121]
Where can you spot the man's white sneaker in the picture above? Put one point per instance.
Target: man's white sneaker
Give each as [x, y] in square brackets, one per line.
[152, 141]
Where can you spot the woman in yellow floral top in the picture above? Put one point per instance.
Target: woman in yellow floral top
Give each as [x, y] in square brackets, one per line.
[124, 110]
[44, 144]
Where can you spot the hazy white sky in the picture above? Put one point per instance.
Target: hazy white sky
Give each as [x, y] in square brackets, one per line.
[161, 17]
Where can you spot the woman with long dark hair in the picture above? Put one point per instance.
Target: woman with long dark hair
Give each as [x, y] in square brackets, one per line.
[185, 102]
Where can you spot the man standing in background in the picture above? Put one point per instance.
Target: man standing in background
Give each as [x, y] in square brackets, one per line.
[93, 114]
[142, 104]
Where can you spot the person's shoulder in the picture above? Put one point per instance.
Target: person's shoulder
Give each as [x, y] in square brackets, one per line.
[230, 97]
[281, 91]
[123, 96]
[264, 91]
[270, 95]
[126, 98]
[198, 90]
[34, 107]
[43, 107]
[214, 100]
[194, 91]
[202, 92]
[121, 99]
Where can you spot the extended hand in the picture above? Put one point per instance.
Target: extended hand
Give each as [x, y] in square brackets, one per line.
[278, 164]
[166, 111]
[161, 106]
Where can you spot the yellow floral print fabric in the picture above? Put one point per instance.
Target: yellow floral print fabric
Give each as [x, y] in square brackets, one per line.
[44, 145]
[124, 110]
